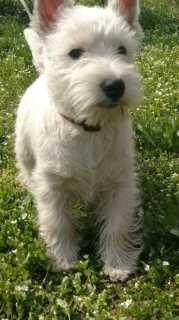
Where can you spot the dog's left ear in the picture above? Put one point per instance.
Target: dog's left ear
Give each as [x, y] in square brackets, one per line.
[130, 10]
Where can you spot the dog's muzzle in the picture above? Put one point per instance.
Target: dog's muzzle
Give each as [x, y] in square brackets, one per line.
[113, 89]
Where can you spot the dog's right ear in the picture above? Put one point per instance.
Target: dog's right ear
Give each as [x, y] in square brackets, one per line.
[46, 13]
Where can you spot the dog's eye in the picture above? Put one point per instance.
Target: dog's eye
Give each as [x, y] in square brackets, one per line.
[122, 50]
[75, 53]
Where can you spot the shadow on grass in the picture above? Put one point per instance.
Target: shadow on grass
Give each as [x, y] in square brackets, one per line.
[157, 16]
[10, 9]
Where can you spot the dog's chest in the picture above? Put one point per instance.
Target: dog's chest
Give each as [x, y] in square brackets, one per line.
[87, 165]
[83, 160]
[85, 153]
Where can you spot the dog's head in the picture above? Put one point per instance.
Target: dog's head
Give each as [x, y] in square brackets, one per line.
[86, 54]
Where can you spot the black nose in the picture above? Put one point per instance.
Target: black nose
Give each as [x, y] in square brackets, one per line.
[113, 89]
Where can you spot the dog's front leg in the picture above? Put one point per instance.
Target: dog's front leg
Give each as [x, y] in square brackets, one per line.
[56, 225]
[119, 246]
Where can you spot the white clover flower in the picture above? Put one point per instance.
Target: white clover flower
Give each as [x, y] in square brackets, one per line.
[147, 267]
[165, 263]
[13, 221]
[126, 304]
[174, 175]
[14, 251]
[24, 288]
[24, 215]
[18, 288]
[178, 133]
[136, 285]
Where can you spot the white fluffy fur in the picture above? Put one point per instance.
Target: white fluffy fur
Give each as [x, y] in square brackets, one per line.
[60, 160]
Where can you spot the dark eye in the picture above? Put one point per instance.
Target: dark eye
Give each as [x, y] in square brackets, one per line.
[75, 53]
[122, 50]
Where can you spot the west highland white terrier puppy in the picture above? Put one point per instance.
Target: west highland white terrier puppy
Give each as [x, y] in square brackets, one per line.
[73, 129]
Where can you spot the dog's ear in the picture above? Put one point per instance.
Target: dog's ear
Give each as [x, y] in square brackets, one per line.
[130, 10]
[46, 13]
[36, 45]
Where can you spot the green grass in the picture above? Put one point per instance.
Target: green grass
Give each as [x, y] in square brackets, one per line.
[28, 289]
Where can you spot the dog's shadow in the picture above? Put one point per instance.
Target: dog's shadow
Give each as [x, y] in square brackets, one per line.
[150, 19]
[87, 228]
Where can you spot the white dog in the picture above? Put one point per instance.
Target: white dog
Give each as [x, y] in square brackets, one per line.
[73, 129]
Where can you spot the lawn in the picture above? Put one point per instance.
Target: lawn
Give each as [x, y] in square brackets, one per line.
[28, 288]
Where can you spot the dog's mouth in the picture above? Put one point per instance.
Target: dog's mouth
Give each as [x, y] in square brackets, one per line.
[112, 104]
[108, 104]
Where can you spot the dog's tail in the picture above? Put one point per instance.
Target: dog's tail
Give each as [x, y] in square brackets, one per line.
[27, 9]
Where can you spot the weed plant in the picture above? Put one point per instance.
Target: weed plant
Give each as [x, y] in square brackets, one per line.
[28, 288]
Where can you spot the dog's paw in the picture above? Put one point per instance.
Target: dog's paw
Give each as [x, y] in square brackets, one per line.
[117, 274]
[24, 180]
[59, 264]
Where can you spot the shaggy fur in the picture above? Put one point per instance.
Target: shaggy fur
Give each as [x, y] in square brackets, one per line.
[59, 159]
